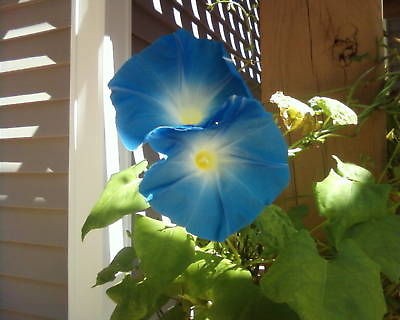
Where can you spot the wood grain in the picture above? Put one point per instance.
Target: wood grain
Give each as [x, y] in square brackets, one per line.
[307, 49]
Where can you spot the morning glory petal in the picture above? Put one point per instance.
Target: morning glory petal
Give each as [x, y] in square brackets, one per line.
[178, 80]
[217, 179]
[167, 140]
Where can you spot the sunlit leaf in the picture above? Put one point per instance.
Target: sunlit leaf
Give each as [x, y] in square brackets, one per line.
[294, 113]
[236, 296]
[345, 202]
[164, 252]
[353, 172]
[272, 229]
[224, 291]
[380, 240]
[120, 197]
[122, 262]
[135, 300]
[197, 279]
[346, 287]
[337, 111]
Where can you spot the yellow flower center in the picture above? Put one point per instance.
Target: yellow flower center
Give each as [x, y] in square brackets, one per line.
[191, 116]
[205, 160]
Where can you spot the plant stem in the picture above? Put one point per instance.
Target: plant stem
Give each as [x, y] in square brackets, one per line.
[318, 226]
[233, 249]
[389, 163]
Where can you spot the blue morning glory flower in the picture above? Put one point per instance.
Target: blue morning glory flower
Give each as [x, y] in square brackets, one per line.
[217, 178]
[178, 80]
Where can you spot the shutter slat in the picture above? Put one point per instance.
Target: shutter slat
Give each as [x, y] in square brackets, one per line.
[36, 298]
[32, 155]
[34, 142]
[13, 315]
[34, 190]
[46, 264]
[16, 4]
[46, 116]
[34, 17]
[52, 46]
[23, 86]
[50, 226]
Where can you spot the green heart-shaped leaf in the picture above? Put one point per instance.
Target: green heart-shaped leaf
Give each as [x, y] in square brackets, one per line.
[135, 300]
[120, 197]
[339, 113]
[317, 289]
[380, 240]
[122, 262]
[345, 202]
[164, 252]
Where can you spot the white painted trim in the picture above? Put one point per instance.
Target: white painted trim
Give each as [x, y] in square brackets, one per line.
[119, 31]
[87, 164]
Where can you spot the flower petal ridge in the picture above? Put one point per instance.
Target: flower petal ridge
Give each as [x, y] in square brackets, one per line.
[178, 80]
[218, 178]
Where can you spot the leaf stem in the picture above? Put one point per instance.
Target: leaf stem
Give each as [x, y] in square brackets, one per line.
[318, 226]
[389, 163]
[233, 249]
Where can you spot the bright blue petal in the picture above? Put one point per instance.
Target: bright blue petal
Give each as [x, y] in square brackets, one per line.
[168, 139]
[171, 81]
[250, 172]
[183, 197]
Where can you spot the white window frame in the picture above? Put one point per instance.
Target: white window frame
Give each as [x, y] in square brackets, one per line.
[95, 24]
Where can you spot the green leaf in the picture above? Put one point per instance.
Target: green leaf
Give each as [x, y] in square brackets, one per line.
[272, 229]
[221, 290]
[235, 296]
[164, 252]
[135, 300]
[297, 214]
[197, 279]
[353, 172]
[347, 287]
[339, 113]
[380, 240]
[345, 203]
[125, 295]
[120, 197]
[122, 262]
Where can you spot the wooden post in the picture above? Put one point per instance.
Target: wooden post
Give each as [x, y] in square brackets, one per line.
[391, 9]
[307, 48]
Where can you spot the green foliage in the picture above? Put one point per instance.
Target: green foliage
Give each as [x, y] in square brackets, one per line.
[164, 252]
[380, 240]
[320, 289]
[134, 300]
[273, 269]
[297, 214]
[345, 202]
[272, 229]
[122, 262]
[340, 114]
[120, 197]
[353, 172]
[223, 290]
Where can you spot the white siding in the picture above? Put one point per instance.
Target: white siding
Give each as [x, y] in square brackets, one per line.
[34, 100]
